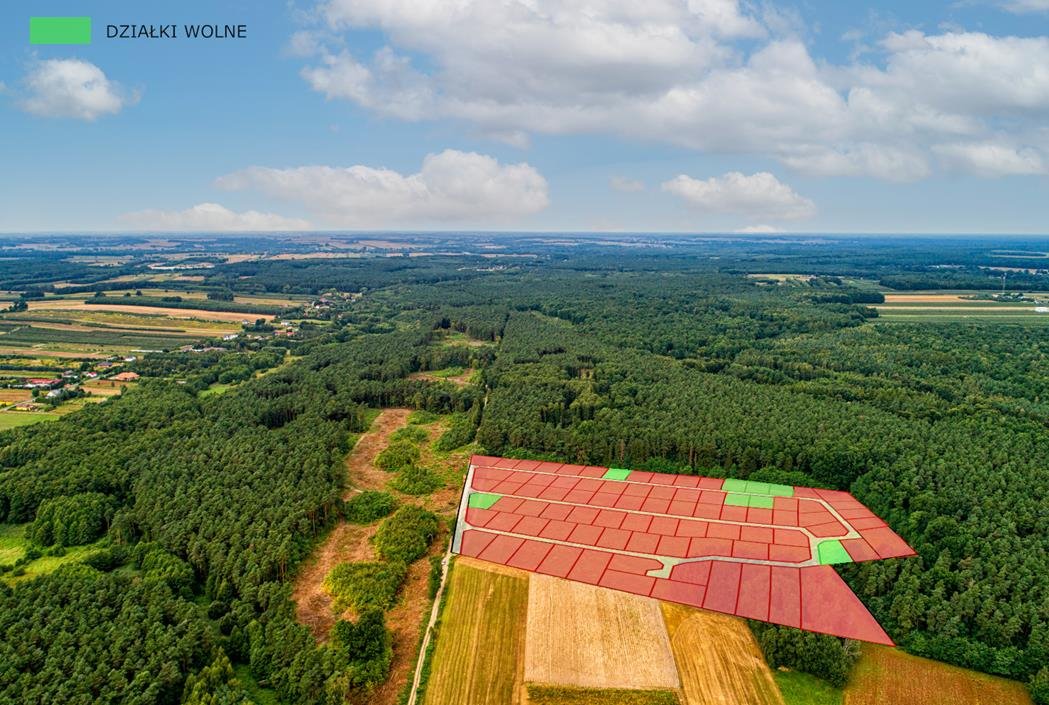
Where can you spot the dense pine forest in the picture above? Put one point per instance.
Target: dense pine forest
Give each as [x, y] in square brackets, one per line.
[673, 358]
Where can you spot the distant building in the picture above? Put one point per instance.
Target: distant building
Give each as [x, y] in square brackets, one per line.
[40, 383]
[125, 377]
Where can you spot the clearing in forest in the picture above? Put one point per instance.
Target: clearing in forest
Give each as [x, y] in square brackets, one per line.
[718, 659]
[891, 677]
[481, 645]
[586, 636]
[346, 542]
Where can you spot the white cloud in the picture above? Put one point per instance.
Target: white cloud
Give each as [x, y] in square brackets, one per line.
[759, 196]
[992, 159]
[73, 88]
[1026, 6]
[758, 230]
[625, 185]
[211, 217]
[709, 75]
[452, 187]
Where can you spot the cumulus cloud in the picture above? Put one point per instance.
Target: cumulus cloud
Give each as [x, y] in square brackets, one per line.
[709, 75]
[72, 88]
[452, 187]
[758, 230]
[759, 196]
[625, 185]
[211, 217]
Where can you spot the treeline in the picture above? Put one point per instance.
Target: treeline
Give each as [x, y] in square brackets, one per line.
[180, 303]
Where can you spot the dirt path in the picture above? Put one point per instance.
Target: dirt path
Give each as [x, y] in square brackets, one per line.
[346, 542]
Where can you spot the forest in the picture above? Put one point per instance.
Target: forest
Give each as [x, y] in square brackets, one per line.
[203, 506]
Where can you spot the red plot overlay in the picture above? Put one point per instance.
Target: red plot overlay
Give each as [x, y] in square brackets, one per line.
[752, 549]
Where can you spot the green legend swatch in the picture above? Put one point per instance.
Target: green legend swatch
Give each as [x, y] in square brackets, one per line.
[59, 30]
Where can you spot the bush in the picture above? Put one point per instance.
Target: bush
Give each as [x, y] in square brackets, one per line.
[459, 433]
[1039, 686]
[406, 535]
[71, 520]
[158, 564]
[826, 657]
[422, 417]
[369, 506]
[416, 480]
[365, 585]
[435, 575]
[397, 455]
[367, 646]
[410, 434]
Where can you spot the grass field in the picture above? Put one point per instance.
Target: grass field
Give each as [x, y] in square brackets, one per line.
[590, 637]
[719, 660]
[885, 676]
[481, 640]
[12, 542]
[14, 419]
[802, 689]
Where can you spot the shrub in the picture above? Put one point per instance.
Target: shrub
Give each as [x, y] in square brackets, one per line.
[369, 506]
[826, 657]
[1039, 686]
[459, 433]
[397, 455]
[71, 520]
[435, 575]
[367, 646]
[365, 585]
[416, 480]
[410, 434]
[422, 417]
[406, 535]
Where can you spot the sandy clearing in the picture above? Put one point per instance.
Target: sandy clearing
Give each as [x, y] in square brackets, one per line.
[719, 661]
[460, 380]
[591, 637]
[346, 542]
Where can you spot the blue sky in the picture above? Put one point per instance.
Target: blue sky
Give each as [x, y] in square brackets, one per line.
[709, 115]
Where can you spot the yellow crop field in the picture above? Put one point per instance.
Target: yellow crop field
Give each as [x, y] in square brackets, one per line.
[591, 637]
[481, 642]
[718, 658]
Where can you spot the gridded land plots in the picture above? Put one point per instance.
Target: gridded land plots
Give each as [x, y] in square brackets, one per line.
[750, 549]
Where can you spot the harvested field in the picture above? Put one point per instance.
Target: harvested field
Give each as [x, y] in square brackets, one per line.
[923, 298]
[891, 677]
[12, 396]
[106, 387]
[75, 304]
[590, 637]
[555, 695]
[718, 658]
[481, 640]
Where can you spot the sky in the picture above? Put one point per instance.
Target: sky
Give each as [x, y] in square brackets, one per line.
[561, 115]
